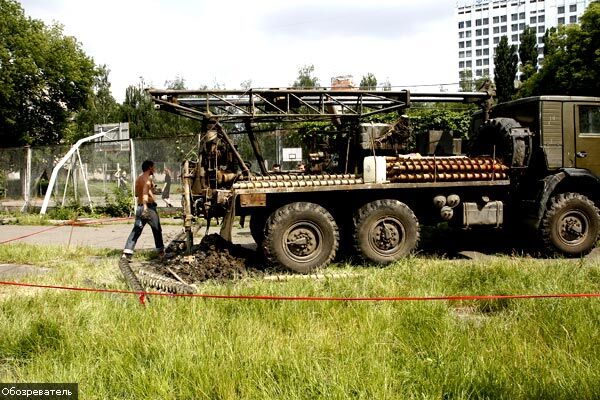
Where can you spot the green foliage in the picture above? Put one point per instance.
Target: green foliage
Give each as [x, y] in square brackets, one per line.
[101, 108]
[528, 53]
[424, 120]
[145, 121]
[119, 204]
[571, 63]
[368, 82]
[70, 212]
[44, 77]
[306, 78]
[505, 69]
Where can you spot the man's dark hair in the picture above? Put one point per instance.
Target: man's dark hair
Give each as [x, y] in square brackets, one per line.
[146, 165]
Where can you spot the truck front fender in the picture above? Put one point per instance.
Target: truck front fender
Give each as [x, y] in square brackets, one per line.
[575, 180]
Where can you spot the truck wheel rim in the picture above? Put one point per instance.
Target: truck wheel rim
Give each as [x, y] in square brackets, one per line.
[302, 241]
[387, 235]
[573, 227]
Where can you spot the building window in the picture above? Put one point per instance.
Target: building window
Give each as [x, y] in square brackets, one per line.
[503, 18]
[461, 54]
[486, 61]
[522, 15]
[541, 40]
[496, 20]
[478, 53]
[503, 29]
[468, 24]
[541, 29]
[461, 35]
[468, 34]
[561, 21]
[468, 43]
[478, 63]
[486, 31]
[496, 40]
[461, 25]
[561, 9]
[521, 27]
[486, 21]
[515, 27]
[461, 64]
[486, 52]
[532, 20]
[478, 72]
[486, 71]
[514, 17]
[469, 54]
[477, 22]
[496, 29]
[573, 8]
[515, 38]
[478, 32]
[461, 45]
[468, 64]
[573, 19]
[478, 42]
[541, 18]
[486, 42]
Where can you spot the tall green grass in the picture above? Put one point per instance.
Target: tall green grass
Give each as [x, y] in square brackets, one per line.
[191, 348]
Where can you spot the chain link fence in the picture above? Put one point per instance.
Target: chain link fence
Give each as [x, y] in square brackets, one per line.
[93, 175]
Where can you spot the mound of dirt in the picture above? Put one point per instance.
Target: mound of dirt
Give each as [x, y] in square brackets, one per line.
[213, 259]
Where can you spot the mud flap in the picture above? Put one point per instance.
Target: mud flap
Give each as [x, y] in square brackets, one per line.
[227, 224]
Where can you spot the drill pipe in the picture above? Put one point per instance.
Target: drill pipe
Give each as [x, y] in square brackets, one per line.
[401, 169]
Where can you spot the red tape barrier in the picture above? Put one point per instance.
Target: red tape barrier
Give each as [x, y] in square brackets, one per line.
[142, 295]
[68, 223]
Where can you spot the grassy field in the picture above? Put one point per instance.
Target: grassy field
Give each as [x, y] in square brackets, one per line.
[191, 348]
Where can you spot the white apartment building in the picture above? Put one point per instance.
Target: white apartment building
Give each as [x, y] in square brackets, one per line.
[481, 24]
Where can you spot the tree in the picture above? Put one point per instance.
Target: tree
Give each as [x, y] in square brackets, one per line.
[386, 86]
[528, 53]
[305, 79]
[368, 82]
[571, 63]
[505, 69]
[547, 49]
[466, 82]
[44, 78]
[145, 121]
[102, 108]
[139, 112]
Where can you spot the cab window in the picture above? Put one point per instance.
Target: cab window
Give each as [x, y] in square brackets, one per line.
[589, 120]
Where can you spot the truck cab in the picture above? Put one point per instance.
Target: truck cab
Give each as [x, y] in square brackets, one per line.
[552, 144]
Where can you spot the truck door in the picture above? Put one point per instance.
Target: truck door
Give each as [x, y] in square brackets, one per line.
[587, 137]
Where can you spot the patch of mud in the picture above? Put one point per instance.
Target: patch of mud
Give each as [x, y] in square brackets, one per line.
[213, 259]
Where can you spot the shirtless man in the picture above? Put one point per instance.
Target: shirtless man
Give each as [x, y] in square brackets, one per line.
[145, 212]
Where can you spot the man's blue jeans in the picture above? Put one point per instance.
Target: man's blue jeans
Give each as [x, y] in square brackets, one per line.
[138, 227]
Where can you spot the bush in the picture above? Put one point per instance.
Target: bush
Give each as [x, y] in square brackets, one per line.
[119, 204]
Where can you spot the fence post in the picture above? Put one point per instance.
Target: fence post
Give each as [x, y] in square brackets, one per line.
[27, 180]
[133, 176]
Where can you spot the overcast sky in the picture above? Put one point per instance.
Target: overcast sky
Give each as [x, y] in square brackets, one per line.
[409, 42]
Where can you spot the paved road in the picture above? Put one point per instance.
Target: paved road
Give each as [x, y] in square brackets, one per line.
[112, 235]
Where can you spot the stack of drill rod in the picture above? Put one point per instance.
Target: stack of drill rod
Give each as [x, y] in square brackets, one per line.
[433, 169]
[299, 177]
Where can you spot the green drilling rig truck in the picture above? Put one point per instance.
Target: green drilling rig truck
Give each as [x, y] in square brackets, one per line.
[531, 164]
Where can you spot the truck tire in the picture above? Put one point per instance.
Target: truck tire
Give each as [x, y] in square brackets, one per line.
[257, 228]
[385, 231]
[571, 225]
[301, 237]
[494, 137]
